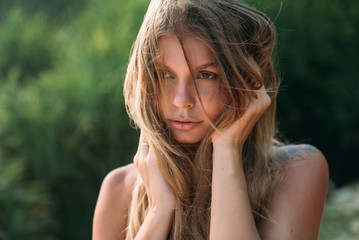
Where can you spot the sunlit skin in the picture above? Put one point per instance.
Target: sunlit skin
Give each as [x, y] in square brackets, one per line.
[180, 105]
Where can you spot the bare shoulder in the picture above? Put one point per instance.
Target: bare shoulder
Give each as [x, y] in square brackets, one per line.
[121, 179]
[113, 203]
[298, 152]
[303, 160]
[304, 165]
[297, 203]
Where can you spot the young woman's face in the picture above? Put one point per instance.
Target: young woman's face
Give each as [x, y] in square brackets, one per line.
[180, 106]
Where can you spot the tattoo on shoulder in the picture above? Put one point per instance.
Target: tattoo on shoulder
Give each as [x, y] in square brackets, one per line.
[294, 152]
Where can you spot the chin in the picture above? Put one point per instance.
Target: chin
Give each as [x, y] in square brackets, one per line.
[187, 139]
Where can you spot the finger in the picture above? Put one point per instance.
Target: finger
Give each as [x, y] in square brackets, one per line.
[143, 144]
[142, 149]
[261, 95]
[264, 97]
[142, 137]
[259, 92]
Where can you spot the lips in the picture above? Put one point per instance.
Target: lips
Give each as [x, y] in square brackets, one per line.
[183, 124]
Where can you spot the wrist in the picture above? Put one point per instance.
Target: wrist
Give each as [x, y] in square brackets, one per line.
[165, 202]
[164, 207]
[227, 144]
[227, 159]
[227, 150]
[157, 224]
[160, 214]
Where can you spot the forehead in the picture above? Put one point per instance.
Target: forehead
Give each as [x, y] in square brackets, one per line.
[170, 50]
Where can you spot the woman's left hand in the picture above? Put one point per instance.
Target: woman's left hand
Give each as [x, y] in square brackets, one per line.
[231, 213]
[236, 134]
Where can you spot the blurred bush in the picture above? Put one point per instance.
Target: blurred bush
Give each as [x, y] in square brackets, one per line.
[57, 10]
[26, 46]
[341, 214]
[24, 204]
[62, 114]
[319, 96]
[63, 125]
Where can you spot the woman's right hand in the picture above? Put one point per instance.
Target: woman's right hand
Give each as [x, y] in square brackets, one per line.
[160, 195]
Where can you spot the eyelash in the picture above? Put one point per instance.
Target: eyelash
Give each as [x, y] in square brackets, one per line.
[210, 75]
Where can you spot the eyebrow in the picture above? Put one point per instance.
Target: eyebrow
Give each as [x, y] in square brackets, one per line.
[207, 65]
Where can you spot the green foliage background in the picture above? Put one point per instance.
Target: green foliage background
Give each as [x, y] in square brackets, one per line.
[63, 125]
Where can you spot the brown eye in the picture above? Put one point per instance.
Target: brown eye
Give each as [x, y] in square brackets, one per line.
[207, 75]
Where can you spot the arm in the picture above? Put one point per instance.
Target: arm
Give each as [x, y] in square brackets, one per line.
[156, 225]
[110, 218]
[161, 197]
[231, 213]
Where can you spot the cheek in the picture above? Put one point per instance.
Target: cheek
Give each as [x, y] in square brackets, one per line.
[162, 106]
[213, 100]
[164, 99]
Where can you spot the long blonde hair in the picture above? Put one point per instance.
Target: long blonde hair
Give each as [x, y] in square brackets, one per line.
[241, 40]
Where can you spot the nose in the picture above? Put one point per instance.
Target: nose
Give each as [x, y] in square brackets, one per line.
[184, 94]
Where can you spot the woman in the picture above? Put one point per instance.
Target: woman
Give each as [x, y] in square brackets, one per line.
[201, 87]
